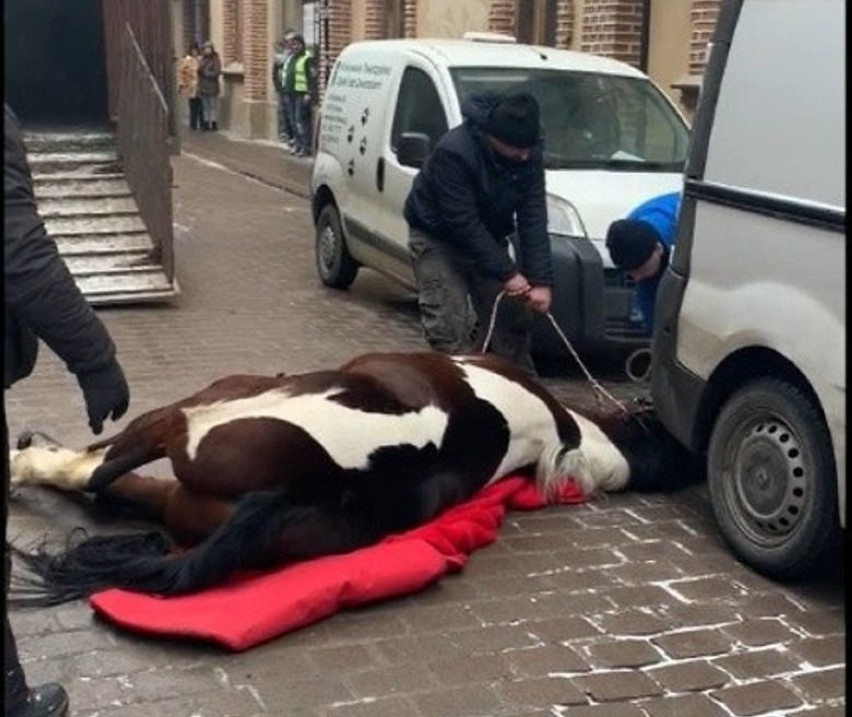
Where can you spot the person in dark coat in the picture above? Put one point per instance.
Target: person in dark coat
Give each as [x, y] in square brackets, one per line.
[483, 183]
[43, 302]
[209, 72]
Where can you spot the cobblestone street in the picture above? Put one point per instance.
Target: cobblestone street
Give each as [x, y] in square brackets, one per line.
[628, 606]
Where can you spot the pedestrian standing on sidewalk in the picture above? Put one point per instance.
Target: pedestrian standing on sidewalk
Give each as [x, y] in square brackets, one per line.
[209, 71]
[187, 84]
[43, 302]
[283, 53]
[300, 82]
[482, 183]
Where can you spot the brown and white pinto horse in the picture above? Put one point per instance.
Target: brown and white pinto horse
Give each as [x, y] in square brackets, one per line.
[271, 470]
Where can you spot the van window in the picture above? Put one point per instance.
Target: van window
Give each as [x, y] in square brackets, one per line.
[591, 120]
[418, 108]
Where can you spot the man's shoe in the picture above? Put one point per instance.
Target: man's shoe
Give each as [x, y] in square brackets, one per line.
[47, 700]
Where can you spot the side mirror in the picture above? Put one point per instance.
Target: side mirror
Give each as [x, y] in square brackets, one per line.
[412, 149]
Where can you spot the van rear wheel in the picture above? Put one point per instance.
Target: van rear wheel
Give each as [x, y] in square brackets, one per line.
[335, 266]
[772, 479]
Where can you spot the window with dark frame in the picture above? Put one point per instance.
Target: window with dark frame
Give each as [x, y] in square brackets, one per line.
[536, 22]
[418, 108]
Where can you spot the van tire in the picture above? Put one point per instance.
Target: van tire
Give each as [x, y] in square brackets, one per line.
[772, 479]
[335, 265]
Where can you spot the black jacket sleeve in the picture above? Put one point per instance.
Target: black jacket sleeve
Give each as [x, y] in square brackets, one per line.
[536, 256]
[455, 197]
[39, 290]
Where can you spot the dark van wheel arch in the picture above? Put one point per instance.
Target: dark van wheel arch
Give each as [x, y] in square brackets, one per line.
[772, 479]
[335, 266]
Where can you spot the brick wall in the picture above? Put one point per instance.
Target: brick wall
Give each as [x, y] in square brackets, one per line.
[339, 26]
[613, 28]
[565, 14]
[228, 51]
[703, 16]
[256, 49]
[374, 25]
[502, 16]
[410, 18]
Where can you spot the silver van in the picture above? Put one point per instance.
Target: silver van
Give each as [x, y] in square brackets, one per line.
[749, 350]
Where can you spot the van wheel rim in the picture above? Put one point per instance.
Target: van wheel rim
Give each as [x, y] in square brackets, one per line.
[328, 248]
[769, 489]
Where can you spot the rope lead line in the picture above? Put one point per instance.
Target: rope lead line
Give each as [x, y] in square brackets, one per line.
[599, 390]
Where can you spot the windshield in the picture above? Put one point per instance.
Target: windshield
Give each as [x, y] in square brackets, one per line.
[590, 120]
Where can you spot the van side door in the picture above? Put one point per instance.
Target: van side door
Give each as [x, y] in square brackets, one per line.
[419, 106]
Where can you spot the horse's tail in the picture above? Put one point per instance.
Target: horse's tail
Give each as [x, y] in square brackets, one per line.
[147, 563]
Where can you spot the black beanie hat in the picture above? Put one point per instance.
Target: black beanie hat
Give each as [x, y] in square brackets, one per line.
[514, 120]
[631, 243]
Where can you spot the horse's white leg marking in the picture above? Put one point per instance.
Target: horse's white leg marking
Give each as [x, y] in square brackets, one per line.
[58, 467]
[348, 434]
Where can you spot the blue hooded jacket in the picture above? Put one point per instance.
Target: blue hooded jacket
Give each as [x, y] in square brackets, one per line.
[661, 213]
[468, 197]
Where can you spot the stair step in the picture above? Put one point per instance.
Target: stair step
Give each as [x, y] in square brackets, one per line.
[67, 141]
[75, 226]
[79, 177]
[86, 244]
[92, 186]
[86, 207]
[105, 262]
[133, 283]
[91, 162]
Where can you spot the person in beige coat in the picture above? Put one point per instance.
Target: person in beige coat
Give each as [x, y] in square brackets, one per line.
[187, 84]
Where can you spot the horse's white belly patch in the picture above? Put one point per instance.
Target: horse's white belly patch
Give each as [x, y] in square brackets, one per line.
[349, 435]
[531, 424]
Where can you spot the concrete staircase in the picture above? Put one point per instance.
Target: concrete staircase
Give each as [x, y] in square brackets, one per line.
[90, 213]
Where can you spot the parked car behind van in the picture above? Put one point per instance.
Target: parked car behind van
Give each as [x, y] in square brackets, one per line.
[612, 140]
[749, 350]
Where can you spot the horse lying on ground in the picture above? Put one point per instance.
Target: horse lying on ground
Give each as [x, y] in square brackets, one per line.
[273, 470]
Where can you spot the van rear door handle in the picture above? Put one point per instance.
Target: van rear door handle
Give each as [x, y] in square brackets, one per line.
[380, 174]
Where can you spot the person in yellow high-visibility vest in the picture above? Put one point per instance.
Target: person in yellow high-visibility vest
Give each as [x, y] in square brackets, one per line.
[300, 83]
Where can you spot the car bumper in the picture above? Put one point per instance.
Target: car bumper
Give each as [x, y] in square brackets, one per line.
[590, 304]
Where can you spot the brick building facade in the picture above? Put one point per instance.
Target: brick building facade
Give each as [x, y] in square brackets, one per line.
[665, 38]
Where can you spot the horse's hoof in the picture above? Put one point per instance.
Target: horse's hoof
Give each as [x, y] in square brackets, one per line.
[25, 440]
[28, 439]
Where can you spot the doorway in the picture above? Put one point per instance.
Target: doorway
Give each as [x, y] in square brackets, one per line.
[55, 62]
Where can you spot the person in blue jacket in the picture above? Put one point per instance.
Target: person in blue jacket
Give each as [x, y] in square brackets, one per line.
[642, 245]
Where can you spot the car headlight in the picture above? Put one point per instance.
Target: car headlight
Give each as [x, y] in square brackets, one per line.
[563, 219]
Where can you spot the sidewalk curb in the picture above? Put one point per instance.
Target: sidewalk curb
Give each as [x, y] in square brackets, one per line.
[263, 162]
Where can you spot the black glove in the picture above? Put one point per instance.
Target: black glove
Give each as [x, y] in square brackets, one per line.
[106, 392]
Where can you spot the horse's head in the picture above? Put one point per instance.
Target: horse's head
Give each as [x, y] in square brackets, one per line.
[657, 460]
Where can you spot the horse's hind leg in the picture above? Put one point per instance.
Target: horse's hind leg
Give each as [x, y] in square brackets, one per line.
[191, 517]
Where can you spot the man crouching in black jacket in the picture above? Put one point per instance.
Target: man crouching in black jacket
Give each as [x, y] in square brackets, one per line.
[480, 179]
[42, 301]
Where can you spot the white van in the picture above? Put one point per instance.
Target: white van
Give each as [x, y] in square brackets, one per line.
[612, 140]
[749, 349]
